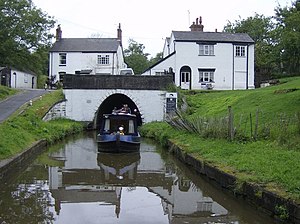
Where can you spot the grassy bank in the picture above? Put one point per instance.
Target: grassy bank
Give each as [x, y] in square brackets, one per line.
[266, 160]
[6, 92]
[25, 126]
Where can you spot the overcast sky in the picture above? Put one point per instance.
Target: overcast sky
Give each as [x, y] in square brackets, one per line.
[149, 22]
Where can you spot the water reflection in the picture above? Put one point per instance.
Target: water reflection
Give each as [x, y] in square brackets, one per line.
[88, 176]
[84, 186]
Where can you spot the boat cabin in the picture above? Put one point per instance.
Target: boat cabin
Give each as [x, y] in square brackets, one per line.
[124, 123]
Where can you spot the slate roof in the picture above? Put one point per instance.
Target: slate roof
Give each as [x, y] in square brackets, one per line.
[86, 45]
[220, 37]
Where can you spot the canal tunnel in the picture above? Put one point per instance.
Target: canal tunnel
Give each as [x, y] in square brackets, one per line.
[117, 100]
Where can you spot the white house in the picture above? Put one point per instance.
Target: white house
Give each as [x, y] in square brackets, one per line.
[206, 60]
[17, 78]
[86, 55]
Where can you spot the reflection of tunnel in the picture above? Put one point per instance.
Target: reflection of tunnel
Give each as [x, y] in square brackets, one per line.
[116, 100]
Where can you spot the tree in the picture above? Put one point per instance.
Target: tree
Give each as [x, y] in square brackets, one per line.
[135, 57]
[288, 37]
[260, 29]
[24, 34]
[277, 39]
[157, 58]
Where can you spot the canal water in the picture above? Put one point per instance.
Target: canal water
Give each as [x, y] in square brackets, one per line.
[73, 183]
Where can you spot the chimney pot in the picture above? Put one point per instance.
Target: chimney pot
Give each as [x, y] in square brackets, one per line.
[197, 26]
[58, 33]
[119, 34]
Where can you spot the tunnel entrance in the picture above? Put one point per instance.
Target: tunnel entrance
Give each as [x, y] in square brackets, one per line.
[117, 100]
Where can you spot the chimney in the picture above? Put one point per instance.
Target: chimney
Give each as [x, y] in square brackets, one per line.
[58, 33]
[119, 35]
[198, 25]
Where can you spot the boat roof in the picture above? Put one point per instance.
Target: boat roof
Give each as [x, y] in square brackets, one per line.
[119, 115]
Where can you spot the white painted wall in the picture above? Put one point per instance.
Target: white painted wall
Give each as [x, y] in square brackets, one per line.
[77, 61]
[161, 67]
[230, 71]
[82, 104]
[23, 80]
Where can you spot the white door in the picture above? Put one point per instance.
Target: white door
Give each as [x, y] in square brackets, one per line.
[185, 78]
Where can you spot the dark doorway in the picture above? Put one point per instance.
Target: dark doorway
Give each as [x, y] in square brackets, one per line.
[116, 100]
[32, 83]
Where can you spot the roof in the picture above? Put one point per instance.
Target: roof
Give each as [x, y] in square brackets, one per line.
[194, 36]
[17, 69]
[86, 45]
[161, 60]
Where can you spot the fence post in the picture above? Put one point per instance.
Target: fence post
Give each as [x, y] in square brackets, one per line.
[256, 125]
[230, 123]
[251, 128]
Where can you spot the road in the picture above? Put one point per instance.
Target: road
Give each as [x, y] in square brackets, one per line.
[10, 105]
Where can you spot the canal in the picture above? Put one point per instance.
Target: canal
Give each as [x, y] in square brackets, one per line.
[72, 183]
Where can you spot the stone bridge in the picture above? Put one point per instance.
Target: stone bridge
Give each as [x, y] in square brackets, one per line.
[88, 97]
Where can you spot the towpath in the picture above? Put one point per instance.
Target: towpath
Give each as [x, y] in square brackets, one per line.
[11, 104]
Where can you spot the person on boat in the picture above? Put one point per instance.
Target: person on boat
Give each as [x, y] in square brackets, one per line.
[115, 110]
[125, 109]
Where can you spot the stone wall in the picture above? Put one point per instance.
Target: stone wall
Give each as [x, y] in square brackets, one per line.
[57, 111]
[273, 204]
[17, 163]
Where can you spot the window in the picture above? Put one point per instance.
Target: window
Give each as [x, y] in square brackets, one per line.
[240, 51]
[185, 77]
[103, 59]
[160, 73]
[25, 78]
[206, 75]
[206, 49]
[62, 59]
[131, 127]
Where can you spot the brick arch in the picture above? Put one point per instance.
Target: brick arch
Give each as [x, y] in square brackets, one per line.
[117, 99]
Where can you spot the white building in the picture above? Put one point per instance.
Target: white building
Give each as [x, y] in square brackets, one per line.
[206, 60]
[16, 78]
[86, 55]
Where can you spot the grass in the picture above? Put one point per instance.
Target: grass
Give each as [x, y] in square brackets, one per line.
[278, 99]
[263, 162]
[26, 126]
[6, 92]
[269, 162]
[268, 113]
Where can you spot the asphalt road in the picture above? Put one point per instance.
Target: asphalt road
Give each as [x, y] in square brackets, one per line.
[10, 105]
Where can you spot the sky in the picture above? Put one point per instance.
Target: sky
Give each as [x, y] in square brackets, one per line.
[148, 22]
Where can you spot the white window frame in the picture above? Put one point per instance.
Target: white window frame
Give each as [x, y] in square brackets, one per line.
[62, 59]
[103, 59]
[185, 77]
[206, 76]
[206, 49]
[159, 73]
[240, 51]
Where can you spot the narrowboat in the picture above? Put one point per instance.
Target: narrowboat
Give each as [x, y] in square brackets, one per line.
[118, 133]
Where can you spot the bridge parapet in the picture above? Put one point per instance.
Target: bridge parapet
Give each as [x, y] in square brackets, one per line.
[133, 82]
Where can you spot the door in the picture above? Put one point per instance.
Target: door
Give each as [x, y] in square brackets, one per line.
[185, 77]
[32, 83]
